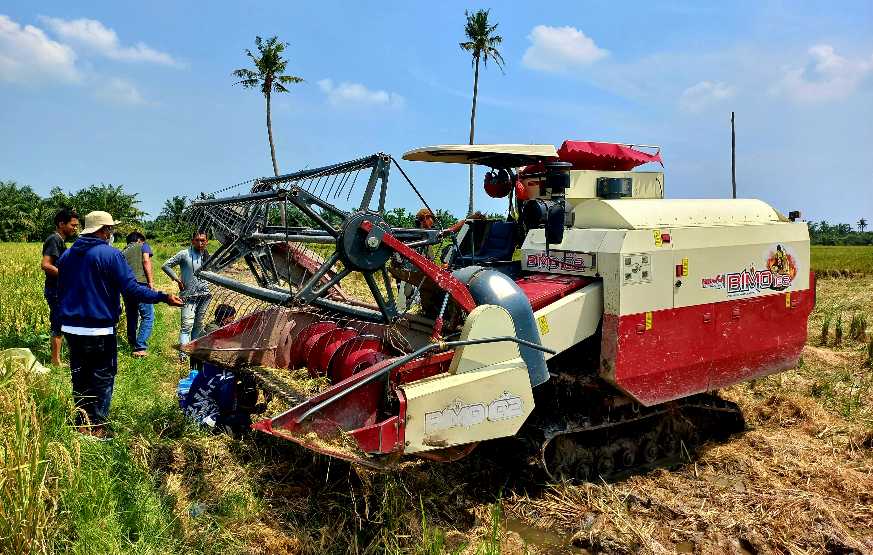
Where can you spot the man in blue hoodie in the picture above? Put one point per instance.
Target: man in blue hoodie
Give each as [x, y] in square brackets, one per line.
[94, 275]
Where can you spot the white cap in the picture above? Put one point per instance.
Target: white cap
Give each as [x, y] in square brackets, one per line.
[97, 219]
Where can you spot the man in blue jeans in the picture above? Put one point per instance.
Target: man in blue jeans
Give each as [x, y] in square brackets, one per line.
[139, 254]
[92, 275]
[193, 290]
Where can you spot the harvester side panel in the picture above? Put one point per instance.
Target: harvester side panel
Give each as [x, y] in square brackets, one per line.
[663, 355]
[741, 296]
[572, 319]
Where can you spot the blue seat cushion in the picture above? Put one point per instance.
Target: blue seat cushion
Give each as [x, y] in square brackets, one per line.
[499, 244]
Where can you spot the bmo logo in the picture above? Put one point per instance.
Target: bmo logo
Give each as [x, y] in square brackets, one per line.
[458, 415]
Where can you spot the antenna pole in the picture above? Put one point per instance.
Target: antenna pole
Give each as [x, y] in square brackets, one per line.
[733, 158]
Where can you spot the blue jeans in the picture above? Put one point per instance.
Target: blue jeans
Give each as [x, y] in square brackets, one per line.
[193, 312]
[93, 365]
[140, 320]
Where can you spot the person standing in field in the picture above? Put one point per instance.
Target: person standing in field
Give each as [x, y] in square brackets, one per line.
[194, 291]
[140, 316]
[92, 276]
[66, 225]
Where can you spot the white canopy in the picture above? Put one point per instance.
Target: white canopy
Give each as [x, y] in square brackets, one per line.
[494, 156]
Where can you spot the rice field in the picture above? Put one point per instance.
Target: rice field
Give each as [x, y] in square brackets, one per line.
[799, 480]
[846, 260]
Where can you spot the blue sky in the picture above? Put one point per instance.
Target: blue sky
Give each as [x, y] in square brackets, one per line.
[140, 94]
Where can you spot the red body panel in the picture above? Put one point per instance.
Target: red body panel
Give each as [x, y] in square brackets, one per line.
[544, 289]
[700, 348]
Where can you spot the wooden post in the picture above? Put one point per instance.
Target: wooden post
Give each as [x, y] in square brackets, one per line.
[733, 158]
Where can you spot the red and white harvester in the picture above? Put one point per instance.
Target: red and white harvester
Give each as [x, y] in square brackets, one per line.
[592, 325]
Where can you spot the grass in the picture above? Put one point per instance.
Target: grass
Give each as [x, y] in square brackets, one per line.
[799, 480]
[827, 260]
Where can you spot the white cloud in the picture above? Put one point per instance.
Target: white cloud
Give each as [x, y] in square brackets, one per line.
[27, 55]
[560, 49]
[697, 98]
[827, 76]
[92, 35]
[119, 91]
[356, 94]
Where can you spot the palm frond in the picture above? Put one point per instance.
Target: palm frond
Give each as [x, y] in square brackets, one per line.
[270, 66]
[483, 40]
[286, 79]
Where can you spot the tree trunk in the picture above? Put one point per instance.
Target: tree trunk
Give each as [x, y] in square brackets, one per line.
[473, 129]
[273, 156]
[270, 136]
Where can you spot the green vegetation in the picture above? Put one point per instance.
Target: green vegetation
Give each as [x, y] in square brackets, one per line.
[26, 216]
[823, 233]
[843, 260]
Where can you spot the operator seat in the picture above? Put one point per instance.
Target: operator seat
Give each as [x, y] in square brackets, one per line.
[497, 246]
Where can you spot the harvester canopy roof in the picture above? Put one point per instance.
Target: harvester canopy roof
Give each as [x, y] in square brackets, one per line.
[592, 155]
[494, 156]
[599, 156]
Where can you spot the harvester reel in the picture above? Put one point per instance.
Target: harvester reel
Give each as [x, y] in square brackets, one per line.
[310, 224]
[357, 251]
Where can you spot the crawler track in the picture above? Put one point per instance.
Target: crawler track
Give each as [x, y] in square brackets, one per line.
[627, 438]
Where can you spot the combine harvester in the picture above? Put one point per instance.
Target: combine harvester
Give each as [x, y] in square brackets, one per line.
[597, 351]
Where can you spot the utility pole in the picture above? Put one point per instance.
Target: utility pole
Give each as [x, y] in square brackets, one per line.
[733, 158]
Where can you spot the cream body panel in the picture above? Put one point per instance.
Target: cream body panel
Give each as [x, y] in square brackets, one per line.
[644, 272]
[657, 213]
[583, 184]
[569, 320]
[610, 248]
[485, 321]
[455, 409]
[716, 258]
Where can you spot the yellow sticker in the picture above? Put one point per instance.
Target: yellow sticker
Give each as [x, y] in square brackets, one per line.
[648, 320]
[658, 240]
[543, 325]
[685, 267]
[788, 300]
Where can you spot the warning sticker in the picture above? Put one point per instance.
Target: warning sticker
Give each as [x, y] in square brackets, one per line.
[543, 324]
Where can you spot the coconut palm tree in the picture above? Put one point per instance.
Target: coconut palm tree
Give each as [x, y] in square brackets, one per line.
[269, 76]
[862, 225]
[482, 42]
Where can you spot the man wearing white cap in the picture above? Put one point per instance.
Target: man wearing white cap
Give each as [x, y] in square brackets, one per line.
[93, 276]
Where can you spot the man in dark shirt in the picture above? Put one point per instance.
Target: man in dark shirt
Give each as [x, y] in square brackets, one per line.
[66, 225]
[140, 316]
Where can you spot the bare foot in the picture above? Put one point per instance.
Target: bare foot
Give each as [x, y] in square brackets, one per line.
[140, 354]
